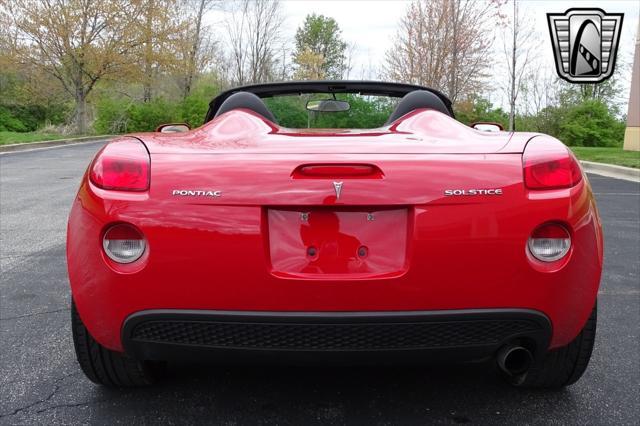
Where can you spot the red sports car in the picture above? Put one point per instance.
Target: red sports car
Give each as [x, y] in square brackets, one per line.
[417, 240]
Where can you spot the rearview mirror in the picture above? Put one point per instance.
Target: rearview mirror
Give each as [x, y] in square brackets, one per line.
[484, 126]
[328, 105]
[173, 128]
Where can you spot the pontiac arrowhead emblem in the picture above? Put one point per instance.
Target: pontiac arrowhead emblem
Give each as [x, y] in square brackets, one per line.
[338, 187]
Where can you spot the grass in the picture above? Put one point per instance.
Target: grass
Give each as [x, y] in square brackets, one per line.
[615, 156]
[7, 138]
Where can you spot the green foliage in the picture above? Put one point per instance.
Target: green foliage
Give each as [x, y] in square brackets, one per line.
[290, 111]
[111, 116]
[146, 116]
[322, 36]
[121, 116]
[8, 122]
[194, 107]
[584, 115]
[27, 118]
[577, 120]
[479, 109]
[607, 92]
[591, 124]
[547, 121]
[365, 112]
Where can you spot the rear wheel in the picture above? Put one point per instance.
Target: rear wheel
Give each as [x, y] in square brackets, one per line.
[106, 367]
[564, 366]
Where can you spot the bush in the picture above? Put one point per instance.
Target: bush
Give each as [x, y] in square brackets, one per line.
[123, 116]
[9, 122]
[111, 116]
[194, 107]
[146, 116]
[289, 111]
[591, 123]
[364, 113]
[27, 118]
[126, 115]
[548, 121]
[479, 109]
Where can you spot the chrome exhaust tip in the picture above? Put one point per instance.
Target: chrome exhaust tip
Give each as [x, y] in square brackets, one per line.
[514, 360]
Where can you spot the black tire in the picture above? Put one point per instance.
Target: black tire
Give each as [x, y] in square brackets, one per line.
[564, 366]
[106, 367]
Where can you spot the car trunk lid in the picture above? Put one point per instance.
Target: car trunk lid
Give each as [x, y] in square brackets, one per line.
[333, 225]
[339, 205]
[421, 132]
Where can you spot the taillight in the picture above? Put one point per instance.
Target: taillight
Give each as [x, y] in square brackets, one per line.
[549, 242]
[122, 165]
[548, 164]
[123, 243]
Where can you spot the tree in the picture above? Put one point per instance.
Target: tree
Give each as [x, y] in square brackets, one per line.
[78, 42]
[608, 92]
[28, 97]
[518, 48]
[10, 67]
[264, 33]
[235, 25]
[253, 27]
[475, 109]
[310, 66]
[198, 47]
[320, 37]
[161, 35]
[443, 44]
[539, 89]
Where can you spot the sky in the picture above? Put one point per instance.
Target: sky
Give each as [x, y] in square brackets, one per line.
[371, 26]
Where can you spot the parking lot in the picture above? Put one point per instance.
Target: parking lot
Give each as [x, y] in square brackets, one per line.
[41, 383]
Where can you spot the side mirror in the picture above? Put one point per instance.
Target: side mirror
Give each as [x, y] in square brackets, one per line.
[328, 105]
[173, 128]
[485, 126]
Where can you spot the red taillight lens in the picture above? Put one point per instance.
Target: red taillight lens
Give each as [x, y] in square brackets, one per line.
[549, 242]
[548, 164]
[123, 166]
[123, 243]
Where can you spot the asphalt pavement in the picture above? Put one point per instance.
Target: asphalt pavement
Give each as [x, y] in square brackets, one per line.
[41, 383]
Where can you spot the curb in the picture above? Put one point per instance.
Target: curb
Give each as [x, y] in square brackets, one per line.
[610, 170]
[27, 146]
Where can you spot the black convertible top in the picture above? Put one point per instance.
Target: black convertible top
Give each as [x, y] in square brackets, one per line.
[380, 88]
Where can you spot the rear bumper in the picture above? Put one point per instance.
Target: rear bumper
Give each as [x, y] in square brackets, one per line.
[460, 254]
[461, 335]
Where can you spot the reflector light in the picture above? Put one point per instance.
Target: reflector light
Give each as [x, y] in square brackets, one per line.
[548, 164]
[123, 243]
[549, 242]
[122, 165]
